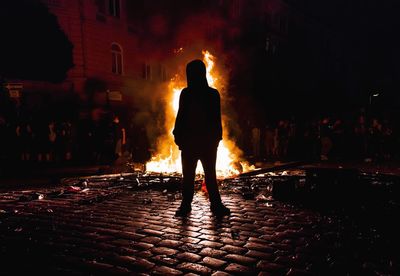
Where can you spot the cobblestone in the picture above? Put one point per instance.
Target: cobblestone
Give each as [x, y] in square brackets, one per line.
[239, 269]
[120, 235]
[240, 259]
[234, 249]
[220, 273]
[211, 244]
[165, 270]
[212, 252]
[164, 251]
[270, 267]
[195, 268]
[189, 257]
[213, 262]
[170, 243]
[259, 255]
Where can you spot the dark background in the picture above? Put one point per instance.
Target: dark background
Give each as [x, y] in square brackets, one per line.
[340, 54]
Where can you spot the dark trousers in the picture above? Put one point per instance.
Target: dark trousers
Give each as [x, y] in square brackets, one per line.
[208, 158]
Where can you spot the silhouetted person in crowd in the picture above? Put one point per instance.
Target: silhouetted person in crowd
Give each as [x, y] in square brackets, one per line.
[118, 137]
[24, 135]
[388, 142]
[52, 140]
[255, 141]
[139, 144]
[269, 141]
[5, 143]
[283, 139]
[338, 139]
[197, 132]
[360, 131]
[325, 137]
[375, 140]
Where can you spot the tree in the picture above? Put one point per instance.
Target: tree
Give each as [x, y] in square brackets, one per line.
[32, 47]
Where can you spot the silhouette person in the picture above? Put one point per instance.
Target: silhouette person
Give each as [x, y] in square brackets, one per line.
[197, 132]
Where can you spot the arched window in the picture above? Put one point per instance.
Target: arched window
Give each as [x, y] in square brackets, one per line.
[116, 59]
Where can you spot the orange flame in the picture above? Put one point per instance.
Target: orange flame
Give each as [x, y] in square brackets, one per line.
[167, 159]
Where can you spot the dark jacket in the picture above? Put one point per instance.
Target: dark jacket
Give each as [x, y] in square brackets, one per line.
[198, 123]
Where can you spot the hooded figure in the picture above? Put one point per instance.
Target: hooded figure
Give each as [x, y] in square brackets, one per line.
[197, 132]
[198, 123]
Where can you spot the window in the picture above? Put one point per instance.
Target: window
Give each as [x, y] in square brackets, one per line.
[236, 9]
[101, 6]
[116, 59]
[274, 48]
[267, 44]
[283, 24]
[101, 10]
[162, 73]
[114, 8]
[271, 45]
[275, 20]
[146, 73]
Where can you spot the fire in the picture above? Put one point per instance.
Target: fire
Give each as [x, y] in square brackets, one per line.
[209, 61]
[167, 159]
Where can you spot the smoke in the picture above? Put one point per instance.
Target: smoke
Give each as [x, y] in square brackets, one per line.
[172, 39]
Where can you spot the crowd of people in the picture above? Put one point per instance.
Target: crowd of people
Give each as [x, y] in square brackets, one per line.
[85, 141]
[102, 141]
[327, 138]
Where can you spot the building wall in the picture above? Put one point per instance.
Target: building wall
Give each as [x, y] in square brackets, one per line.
[92, 30]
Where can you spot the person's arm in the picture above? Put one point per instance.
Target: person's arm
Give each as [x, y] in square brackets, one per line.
[179, 121]
[219, 119]
[123, 136]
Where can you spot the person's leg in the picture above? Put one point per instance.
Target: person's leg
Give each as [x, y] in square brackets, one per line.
[208, 160]
[189, 162]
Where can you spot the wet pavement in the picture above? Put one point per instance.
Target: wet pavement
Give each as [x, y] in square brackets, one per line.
[125, 226]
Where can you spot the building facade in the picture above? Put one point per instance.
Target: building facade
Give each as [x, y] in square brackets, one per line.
[105, 50]
[117, 50]
[107, 47]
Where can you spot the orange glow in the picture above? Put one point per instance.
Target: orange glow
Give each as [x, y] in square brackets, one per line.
[167, 159]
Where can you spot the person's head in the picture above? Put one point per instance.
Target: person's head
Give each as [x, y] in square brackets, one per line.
[116, 119]
[361, 119]
[375, 122]
[325, 121]
[196, 74]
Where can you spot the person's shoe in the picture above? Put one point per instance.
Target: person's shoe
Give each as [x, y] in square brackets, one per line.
[220, 210]
[183, 211]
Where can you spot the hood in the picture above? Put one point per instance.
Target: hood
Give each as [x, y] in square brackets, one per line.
[196, 74]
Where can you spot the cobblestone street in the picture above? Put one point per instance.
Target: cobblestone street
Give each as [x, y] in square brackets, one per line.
[204, 137]
[129, 231]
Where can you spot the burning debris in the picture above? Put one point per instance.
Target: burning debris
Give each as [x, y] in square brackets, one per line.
[361, 193]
